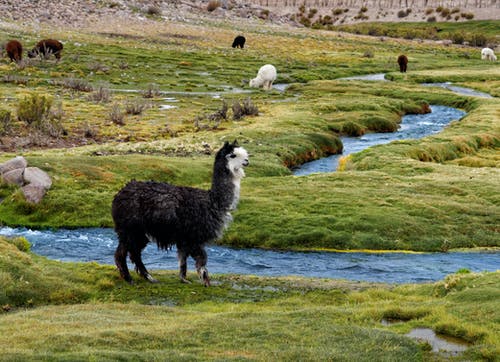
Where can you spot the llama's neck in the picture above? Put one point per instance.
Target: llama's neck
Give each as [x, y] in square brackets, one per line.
[225, 191]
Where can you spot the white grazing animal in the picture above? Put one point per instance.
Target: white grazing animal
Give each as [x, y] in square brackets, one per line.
[265, 77]
[488, 54]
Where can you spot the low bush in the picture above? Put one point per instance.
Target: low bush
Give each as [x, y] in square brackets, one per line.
[5, 121]
[33, 109]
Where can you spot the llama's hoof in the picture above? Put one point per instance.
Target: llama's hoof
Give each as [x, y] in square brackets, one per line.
[151, 279]
[185, 281]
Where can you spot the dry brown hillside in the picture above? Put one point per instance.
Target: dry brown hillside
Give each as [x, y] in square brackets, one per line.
[81, 12]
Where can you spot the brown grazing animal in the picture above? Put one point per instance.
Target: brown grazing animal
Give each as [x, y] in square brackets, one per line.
[14, 50]
[47, 47]
[403, 62]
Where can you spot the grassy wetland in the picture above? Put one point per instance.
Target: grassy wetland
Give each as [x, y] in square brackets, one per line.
[434, 194]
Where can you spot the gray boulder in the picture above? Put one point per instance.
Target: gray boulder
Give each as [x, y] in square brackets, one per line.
[36, 177]
[13, 177]
[34, 193]
[15, 163]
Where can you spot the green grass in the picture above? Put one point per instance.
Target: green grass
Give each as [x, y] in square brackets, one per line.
[81, 311]
[431, 194]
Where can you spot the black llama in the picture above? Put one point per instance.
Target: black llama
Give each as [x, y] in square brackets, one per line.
[176, 215]
[239, 42]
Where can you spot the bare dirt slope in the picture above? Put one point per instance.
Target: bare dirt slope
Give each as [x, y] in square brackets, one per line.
[84, 12]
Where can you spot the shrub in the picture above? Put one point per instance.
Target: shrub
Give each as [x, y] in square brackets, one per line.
[338, 11]
[101, 95]
[116, 115]
[15, 79]
[212, 5]
[135, 107]
[429, 11]
[468, 16]
[431, 19]
[458, 38]
[477, 39]
[402, 13]
[151, 91]
[246, 108]
[5, 121]
[364, 9]
[33, 109]
[153, 10]
[445, 12]
[77, 84]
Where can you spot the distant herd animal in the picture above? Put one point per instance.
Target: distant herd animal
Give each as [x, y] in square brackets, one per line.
[45, 48]
[265, 77]
[403, 63]
[488, 54]
[239, 42]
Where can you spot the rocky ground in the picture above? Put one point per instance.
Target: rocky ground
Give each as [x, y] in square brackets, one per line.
[79, 13]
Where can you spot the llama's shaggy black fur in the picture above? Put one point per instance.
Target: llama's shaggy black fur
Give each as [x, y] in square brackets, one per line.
[239, 42]
[175, 215]
[403, 63]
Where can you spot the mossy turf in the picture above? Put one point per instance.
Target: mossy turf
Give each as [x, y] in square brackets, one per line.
[79, 311]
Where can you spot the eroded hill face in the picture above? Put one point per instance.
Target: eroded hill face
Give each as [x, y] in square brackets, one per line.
[295, 12]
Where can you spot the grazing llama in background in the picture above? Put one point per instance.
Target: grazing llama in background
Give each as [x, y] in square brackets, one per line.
[239, 42]
[14, 50]
[488, 54]
[403, 63]
[265, 77]
[47, 47]
[175, 215]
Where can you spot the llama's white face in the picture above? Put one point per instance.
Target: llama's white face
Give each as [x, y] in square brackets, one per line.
[236, 160]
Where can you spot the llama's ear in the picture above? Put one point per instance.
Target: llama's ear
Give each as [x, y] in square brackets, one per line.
[235, 143]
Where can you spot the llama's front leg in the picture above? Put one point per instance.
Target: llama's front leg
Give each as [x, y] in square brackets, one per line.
[182, 256]
[200, 256]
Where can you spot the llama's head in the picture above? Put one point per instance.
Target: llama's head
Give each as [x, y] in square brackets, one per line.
[235, 156]
[255, 82]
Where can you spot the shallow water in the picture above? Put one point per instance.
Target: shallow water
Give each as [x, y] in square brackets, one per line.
[459, 90]
[413, 126]
[374, 77]
[438, 343]
[99, 245]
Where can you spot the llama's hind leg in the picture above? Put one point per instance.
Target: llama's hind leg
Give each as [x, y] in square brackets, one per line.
[182, 257]
[200, 257]
[121, 262]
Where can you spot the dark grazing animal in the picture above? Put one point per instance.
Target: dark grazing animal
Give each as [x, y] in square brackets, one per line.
[239, 42]
[403, 63]
[14, 50]
[175, 215]
[47, 47]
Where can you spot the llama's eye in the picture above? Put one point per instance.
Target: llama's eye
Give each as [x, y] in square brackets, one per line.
[232, 155]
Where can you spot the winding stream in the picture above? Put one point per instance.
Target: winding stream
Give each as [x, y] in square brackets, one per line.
[413, 126]
[98, 245]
